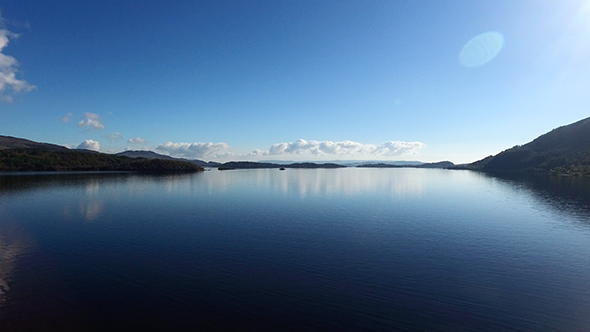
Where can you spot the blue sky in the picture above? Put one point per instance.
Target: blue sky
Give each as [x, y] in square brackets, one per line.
[294, 80]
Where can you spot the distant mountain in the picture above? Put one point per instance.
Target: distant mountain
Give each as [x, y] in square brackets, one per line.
[203, 163]
[153, 155]
[9, 142]
[566, 147]
[440, 164]
[143, 154]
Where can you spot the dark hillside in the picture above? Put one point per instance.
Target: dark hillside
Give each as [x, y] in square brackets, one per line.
[564, 147]
[9, 142]
[30, 159]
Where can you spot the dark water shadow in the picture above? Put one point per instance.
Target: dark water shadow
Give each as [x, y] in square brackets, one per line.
[563, 194]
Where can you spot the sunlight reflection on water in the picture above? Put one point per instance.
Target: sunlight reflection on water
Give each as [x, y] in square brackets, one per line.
[306, 182]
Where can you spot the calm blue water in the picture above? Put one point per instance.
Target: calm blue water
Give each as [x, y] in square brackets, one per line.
[300, 250]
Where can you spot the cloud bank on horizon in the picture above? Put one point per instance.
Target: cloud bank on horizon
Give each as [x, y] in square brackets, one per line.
[301, 147]
[9, 83]
[344, 148]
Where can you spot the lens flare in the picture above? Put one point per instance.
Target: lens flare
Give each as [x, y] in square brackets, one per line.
[481, 49]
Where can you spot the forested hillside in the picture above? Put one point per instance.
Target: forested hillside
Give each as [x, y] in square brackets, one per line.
[563, 150]
[32, 159]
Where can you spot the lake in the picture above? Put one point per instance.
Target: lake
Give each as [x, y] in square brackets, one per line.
[296, 250]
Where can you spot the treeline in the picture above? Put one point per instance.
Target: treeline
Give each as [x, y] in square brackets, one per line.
[564, 150]
[28, 159]
[521, 158]
[573, 170]
[255, 165]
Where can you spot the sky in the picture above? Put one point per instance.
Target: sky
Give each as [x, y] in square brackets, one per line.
[293, 80]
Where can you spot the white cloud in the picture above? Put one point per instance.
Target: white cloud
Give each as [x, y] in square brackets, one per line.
[195, 150]
[137, 140]
[342, 149]
[92, 121]
[9, 84]
[67, 118]
[115, 137]
[89, 145]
